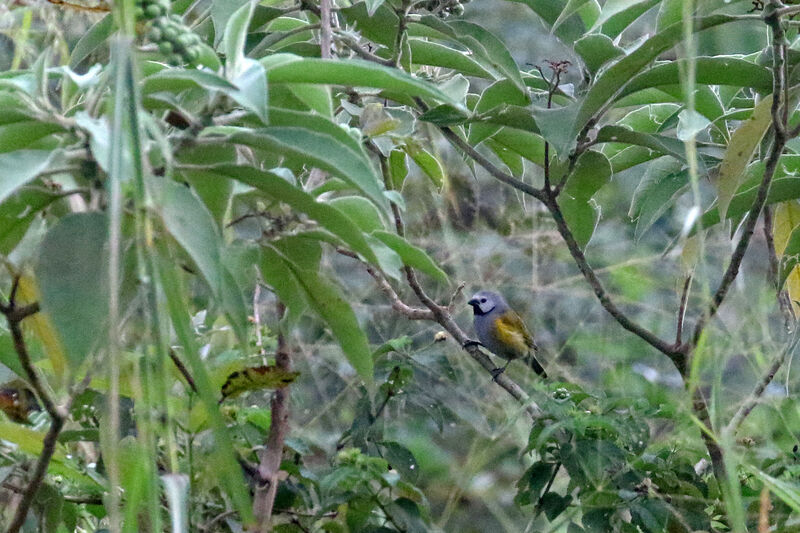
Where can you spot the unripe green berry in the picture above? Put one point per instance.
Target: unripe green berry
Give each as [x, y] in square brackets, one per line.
[155, 34]
[165, 47]
[153, 11]
[175, 60]
[170, 33]
[184, 40]
[192, 54]
[138, 12]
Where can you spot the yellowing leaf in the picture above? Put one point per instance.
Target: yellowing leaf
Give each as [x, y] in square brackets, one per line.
[40, 325]
[741, 147]
[255, 378]
[785, 221]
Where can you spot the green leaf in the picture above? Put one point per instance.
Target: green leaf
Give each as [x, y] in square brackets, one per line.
[321, 150]
[72, 267]
[233, 40]
[287, 68]
[528, 145]
[592, 171]
[279, 277]
[214, 190]
[622, 19]
[26, 165]
[177, 80]
[581, 216]
[251, 88]
[18, 212]
[91, 40]
[596, 50]
[429, 164]
[438, 55]
[570, 9]
[401, 459]
[359, 210]
[615, 7]
[499, 94]
[411, 255]
[741, 148]
[22, 134]
[326, 300]
[281, 190]
[613, 80]
[656, 192]
[718, 70]
[222, 453]
[398, 168]
[256, 378]
[488, 50]
[188, 220]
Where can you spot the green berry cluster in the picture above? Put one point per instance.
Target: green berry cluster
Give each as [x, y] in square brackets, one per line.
[175, 40]
[445, 8]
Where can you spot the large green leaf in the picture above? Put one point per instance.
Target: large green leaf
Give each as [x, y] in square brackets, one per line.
[327, 301]
[72, 273]
[21, 167]
[438, 55]
[487, 50]
[321, 150]
[718, 70]
[501, 93]
[411, 255]
[287, 68]
[188, 220]
[17, 213]
[22, 134]
[741, 148]
[613, 81]
[222, 453]
[662, 181]
[281, 190]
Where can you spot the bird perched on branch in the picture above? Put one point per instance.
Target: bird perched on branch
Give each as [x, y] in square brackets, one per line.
[501, 331]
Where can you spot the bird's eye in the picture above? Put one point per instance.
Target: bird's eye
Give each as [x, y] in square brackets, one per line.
[483, 300]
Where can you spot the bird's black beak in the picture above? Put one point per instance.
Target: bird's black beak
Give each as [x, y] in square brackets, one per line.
[473, 303]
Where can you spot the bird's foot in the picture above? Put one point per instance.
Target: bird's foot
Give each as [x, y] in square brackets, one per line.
[470, 342]
[496, 372]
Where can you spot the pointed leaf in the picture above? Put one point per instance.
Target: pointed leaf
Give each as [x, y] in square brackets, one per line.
[72, 267]
[411, 255]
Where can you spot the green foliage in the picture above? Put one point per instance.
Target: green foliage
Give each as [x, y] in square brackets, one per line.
[198, 181]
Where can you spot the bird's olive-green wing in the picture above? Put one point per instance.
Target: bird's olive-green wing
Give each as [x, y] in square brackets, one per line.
[512, 331]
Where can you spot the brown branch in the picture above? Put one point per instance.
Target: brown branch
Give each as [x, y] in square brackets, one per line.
[779, 49]
[58, 415]
[325, 39]
[747, 407]
[411, 313]
[270, 457]
[182, 369]
[682, 309]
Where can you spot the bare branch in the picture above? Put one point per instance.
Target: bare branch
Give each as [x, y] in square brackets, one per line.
[779, 53]
[411, 313]
[325, 40]
[270, 457]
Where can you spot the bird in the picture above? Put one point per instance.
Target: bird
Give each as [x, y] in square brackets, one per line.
[501, 331]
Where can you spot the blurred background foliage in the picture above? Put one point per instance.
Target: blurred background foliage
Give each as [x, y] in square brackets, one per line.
[210, 167]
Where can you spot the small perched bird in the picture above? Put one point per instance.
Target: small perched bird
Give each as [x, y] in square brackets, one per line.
[502, 331]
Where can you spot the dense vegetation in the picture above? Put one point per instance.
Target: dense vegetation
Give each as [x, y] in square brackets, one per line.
[238, 237]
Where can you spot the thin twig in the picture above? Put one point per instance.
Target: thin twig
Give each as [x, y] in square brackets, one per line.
[411, 313]
[761, 386]
[776, 150]
[58, 415]
[182, 369]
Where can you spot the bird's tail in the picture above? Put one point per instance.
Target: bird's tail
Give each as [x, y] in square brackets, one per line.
[534, 364]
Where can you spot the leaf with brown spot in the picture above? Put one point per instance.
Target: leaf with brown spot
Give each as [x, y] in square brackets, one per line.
[256, 378]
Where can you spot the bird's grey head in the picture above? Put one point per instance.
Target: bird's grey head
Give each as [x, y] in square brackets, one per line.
[484, 302]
